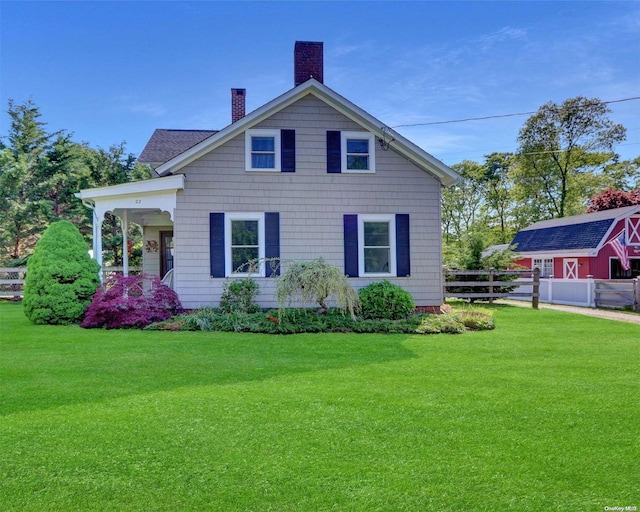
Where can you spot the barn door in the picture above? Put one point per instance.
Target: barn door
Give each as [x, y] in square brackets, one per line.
[570, 268]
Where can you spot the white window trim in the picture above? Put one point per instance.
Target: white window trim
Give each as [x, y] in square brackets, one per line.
[247, 149]
[391, 219]
[228, 260]
[542, 259]
[344, 136]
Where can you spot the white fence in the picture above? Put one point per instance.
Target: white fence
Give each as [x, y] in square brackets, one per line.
[12, 282]
[588, 292]
[12, 279]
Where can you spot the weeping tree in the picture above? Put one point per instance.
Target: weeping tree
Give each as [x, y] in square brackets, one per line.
[316, 281]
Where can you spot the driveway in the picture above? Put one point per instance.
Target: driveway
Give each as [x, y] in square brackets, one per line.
[633, 318]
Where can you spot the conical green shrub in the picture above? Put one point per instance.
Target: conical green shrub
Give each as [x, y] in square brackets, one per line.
[61, 277]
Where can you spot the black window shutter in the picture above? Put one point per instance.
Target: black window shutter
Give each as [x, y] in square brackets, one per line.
[351, 245]
[403, 256]
[216, 244]
[288, 150]
[333, 152]
[272, 242]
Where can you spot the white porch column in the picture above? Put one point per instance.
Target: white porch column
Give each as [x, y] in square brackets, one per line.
[125, 245]
[98, 218]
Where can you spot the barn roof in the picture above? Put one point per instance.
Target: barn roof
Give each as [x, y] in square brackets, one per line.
[585, 231]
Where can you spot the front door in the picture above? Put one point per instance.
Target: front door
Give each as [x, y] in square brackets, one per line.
[166, 252]
[570, 268]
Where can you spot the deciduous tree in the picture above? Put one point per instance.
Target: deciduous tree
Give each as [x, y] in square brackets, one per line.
[558, 145]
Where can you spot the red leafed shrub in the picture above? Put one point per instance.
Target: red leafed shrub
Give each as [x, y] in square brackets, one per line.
[133, 301]
[610, 199]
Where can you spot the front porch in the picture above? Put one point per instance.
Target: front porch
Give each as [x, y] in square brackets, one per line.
[150, 204]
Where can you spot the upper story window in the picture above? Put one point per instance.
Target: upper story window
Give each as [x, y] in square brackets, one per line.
[262, 150]
[358, 154]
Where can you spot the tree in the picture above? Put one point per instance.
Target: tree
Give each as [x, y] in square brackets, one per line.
[315, 281]
[561, 147]
[499, 197]
[609, 199]
[39, 174]
[622, 175]
[61, 277]
[22, 214]
[461, 203]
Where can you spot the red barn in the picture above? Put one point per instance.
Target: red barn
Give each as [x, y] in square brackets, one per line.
[580, 246]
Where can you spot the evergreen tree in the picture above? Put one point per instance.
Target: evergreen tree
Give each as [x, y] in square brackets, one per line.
[61, 277]
[39, 174]
[22, 213]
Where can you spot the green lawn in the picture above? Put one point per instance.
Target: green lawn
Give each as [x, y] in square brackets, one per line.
[542, 414]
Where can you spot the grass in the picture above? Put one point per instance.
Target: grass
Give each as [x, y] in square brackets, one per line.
[541, 414]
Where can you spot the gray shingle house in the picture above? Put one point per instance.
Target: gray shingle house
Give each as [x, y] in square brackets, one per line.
[307, 175]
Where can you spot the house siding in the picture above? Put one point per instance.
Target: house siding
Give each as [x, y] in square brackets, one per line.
[311, 204]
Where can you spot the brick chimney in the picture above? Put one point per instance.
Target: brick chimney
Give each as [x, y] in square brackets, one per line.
[308, 62]
[238, 104]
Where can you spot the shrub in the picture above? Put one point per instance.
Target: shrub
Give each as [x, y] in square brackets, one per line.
[316, 281]
[476, 320]
[132, 301]
[435, 324]
[239, 296]
[61, 277]
[457, 322]
[289, 321]
[385, 300]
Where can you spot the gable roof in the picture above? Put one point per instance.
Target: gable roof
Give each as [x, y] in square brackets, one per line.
[166, 144]
[587, 231]
[398, 143]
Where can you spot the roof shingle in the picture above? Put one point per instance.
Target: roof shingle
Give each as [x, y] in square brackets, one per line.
[586, 235]
[166, 144]
[584, 231]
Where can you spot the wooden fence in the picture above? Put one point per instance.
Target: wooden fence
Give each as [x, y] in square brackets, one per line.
[455, 282]
[12, 279]
[617, 293]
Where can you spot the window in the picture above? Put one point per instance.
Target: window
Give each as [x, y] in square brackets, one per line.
[262, 148]
[616, 271]
[377, 245]
[377, 251]
[244, 243]
[358, 153]
[236, 239]
[545, 265]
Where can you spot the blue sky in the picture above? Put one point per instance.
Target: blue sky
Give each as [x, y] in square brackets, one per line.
[114, 71]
